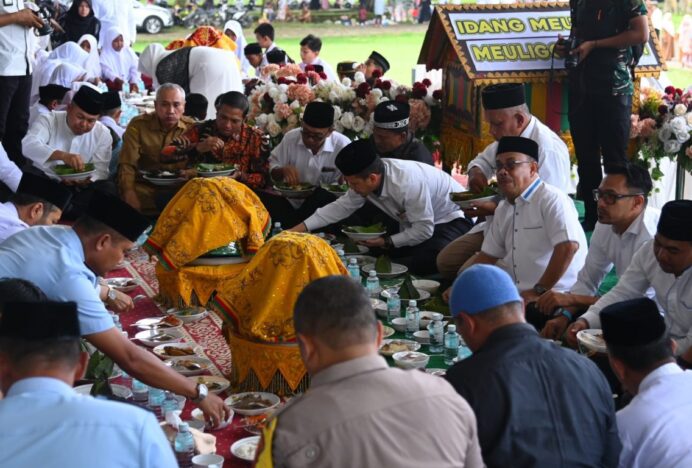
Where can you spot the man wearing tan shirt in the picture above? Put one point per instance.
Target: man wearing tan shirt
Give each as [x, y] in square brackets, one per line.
[145, 137]
[359, 411]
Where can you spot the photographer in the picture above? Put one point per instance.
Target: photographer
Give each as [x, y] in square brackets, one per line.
[16, 23]
[600, 85]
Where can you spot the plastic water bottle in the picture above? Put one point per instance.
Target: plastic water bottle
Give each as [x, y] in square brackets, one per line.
[342, 257]
[372, 284]
[184, 446]
[464, 352]
[156, 399]
[353, 269]
[412, 319]
[436, 332]
[276, 230]
[393, 307]
[126, 89]
[451, 344]
[169, 404]
[140, 391]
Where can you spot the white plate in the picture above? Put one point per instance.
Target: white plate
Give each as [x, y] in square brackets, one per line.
[78, 176]
[203, 362]
[468, 203]
[439, 372]
[157, 322]
[164, 182]
[201, 312]
[298, 194]
[227, 172]
[160, 352]
[592, 340]
[411, 345]
[216, 261]
[145, 337]
[380, 307]
[422, 336]
[397, 270]
[387, 331]
[274, 401]
[198, 415]
[423, 296]
[208, 380]
[246, 448]
[118, 390]
[123, 284]
[426, 316]
[360, 236]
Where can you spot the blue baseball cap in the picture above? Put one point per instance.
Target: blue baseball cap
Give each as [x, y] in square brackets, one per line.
[480, 288]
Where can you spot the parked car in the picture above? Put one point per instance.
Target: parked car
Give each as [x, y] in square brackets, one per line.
[151, 18]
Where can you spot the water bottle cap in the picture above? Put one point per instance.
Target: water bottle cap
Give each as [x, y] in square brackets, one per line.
[451, 328]
[372, 274]
[353, 261]
[277, 224]
[340, 253]
[412, 303]
[183, 427]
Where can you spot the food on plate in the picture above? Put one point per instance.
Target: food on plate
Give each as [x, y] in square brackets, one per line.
[178, 351]
[372, 229]
[394, 347]
[383, 264]
[185, 364]
[211, 385]
[341, 188]
[411, 357]
[162, 174]
[188, 312]
[250, 402]
[210, 167]
[247, 451]
[255, 424]
[161, 337]
[489, 191]
[64, 169]
[407, 290]
[122, 282]
[296, 187]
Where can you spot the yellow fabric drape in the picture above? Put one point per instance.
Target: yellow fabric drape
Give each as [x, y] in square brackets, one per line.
[205, 36]
[208, 213]
[258, 303]
[193, 285]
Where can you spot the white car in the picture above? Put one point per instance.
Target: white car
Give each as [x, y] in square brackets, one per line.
[151, 18]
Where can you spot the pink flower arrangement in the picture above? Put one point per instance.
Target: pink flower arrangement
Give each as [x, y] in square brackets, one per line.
[314, 77]
[270, 69]
[282, 110]
[288, 70]
[302, 93]
[420, 115]
[647, 127]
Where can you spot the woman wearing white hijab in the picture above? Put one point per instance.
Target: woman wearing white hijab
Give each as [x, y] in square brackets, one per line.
[89, 44]
[65, 74]
[234, 30]
[68, 52]
[118, 61]
[204, 70]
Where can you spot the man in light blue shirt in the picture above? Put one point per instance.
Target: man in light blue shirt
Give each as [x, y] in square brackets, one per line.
[44, 421]
[65, 263]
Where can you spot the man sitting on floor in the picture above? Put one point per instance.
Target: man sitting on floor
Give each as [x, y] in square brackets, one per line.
[506, 112]
[414, 194]
[44, 421]
[65, 261]
[392, 137]
[641, 355]
[38, 201]
[306, 155]
[625, 223]
[663, 264]
[535, 230]
[536, 403]
[49, 99]
[145, 137]
[354, 394]
[226, 139]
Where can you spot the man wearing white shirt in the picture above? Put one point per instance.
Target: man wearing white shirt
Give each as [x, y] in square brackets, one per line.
[306, 155]
[310, 48]
[16, 63]
[73, 138]
[10, 174]
[663, 264]
[50, 97]
[654, 427]
[412, 193]
[38, 201]
[535, 230]
[507, 114]
[625, 223]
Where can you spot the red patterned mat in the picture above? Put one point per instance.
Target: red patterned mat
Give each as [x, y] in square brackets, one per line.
[205, 333]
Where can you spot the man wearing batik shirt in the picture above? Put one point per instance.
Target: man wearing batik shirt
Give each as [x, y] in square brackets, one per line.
[227, 140]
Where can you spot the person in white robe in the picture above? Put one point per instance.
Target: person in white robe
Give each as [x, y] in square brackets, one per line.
[211, 71]
[118, 61]
[92, 66]
[10, 174]
[234, 30]
[67, 53]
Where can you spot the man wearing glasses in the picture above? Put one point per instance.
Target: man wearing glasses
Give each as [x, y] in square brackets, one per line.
[305, 156]
[664, 264]
[625, 222]
[535, 230]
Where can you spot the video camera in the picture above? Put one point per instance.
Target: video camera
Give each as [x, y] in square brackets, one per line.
[45, 16]
[571, 61]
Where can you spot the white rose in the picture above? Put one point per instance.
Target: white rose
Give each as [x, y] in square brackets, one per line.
[271, 118]
[688, 117]
[294, 105]
[261, 120]
[283, 87]
[377, 92]
[358, 124]
[283, 97]
[346, 82]
[334, 96]
[337, 113]
[274, 129]
[680, 109]
[383, 99]
[273, 93]
[665, 133]
[338, 127]
[359, 77]
[682, 137]
[347, 120]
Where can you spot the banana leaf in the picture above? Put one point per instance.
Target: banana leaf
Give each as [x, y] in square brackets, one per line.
[350, 247]
[407, 290]
[101, 387]
[379, 227]
[64, 169]
[466, 196]
[100, 367]
[383, 264]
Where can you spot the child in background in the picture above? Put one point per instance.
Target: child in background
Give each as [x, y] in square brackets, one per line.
[196, 106]
[310, 48]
